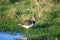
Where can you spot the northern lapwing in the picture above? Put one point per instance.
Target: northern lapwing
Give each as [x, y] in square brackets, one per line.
[27, 23]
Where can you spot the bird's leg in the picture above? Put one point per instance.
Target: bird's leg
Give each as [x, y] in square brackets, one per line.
[27, 30]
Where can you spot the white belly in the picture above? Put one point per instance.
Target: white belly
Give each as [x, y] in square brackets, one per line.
[26, 26]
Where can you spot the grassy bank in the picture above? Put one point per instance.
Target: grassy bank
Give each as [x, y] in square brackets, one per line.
[47, 13]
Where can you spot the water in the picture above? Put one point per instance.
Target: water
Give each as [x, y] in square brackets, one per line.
[9, 36]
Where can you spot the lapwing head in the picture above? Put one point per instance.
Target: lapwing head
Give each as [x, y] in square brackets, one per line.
[34, 18]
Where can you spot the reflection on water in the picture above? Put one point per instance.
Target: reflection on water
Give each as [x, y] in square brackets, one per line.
[9, 36]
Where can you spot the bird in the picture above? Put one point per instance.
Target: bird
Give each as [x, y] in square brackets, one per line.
[28, 23]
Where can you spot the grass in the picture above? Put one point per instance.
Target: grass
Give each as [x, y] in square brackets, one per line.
[47, 26]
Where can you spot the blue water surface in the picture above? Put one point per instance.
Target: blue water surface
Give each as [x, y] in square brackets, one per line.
[10, 36]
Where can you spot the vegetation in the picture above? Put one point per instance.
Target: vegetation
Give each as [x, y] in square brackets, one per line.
[47, 12]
